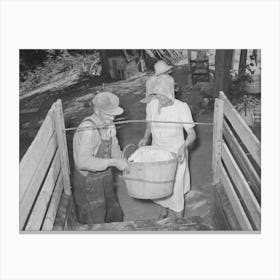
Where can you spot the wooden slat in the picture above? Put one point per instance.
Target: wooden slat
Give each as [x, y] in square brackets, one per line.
[60, 109]
[217, 138]
[244, 132]
[29, 193]
[59, 128]
[62, 213]
[234, 200]
[53, 206]
[169, 224]
[242, 186]
[243, 161]
[29, 163]
[41, 204]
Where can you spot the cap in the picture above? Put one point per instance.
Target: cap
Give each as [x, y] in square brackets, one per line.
[108, 103]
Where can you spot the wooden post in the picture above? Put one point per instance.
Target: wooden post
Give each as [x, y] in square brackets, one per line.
[242, 63]
[62, 146]
[223, 61]
[190, 83]
[104, 63]
[217, 138]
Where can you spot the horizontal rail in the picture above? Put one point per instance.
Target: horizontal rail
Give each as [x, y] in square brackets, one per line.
[41, 205]
[234, 200]
[28, 195]
[243, 187]
[136, 121]
[54, 203]
[242, 160]
[244, 132]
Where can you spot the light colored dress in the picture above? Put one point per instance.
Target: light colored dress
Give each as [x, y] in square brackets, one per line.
[170, 137]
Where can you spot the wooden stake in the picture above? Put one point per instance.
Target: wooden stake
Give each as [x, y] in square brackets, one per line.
[217, 138]
[61, 140]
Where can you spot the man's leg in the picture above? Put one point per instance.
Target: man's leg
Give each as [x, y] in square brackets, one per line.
[114, 210]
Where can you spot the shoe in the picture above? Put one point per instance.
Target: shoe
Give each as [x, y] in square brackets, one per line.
[179, 215]
[163, 213]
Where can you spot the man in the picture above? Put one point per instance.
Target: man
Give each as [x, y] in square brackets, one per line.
[162, 106]
[96, 150]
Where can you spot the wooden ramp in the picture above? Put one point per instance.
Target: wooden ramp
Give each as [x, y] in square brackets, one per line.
[66, 221]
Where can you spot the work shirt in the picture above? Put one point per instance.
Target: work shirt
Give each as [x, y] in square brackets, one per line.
[86, 144]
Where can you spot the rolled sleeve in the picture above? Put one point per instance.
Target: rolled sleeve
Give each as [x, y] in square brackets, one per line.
[186, 116]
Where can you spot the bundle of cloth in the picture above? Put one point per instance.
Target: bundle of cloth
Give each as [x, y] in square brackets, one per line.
[150, 154]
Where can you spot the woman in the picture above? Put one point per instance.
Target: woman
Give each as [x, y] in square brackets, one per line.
[162, 106]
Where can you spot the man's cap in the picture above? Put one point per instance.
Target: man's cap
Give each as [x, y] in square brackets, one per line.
[161, 67]
[162, 85]
[108, 103]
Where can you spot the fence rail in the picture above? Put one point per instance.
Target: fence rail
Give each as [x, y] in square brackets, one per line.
[44, 173]
[236, 161]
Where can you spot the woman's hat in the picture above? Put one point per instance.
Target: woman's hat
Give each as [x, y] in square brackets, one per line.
[161, 67]
[108, 103]
[162, 85]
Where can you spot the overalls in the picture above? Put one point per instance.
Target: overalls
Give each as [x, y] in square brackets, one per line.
[96, 201]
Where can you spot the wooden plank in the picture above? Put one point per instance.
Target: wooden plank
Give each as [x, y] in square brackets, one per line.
[217, 138]
[234, 200]
[62, 212]
[53, 206]
[28, 195]
[169, 224]
[243, 162]
[60, 132]
[242, 186]
[29, 163]
[41, 204]
[59, 105]
[224, 215]
[244, 132]
[28, 111]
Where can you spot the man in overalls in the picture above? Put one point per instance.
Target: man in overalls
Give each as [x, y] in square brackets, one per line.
[96, 150]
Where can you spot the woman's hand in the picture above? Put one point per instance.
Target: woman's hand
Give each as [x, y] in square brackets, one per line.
[142, 142]
[181, 153]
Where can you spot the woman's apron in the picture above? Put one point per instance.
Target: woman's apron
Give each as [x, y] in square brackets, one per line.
[96, 201]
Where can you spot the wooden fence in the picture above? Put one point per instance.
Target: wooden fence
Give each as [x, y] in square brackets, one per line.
[236, 164]
[44, 173]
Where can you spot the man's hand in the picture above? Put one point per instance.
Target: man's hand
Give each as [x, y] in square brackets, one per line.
[142, 142]
[121, 164]
[181, 153]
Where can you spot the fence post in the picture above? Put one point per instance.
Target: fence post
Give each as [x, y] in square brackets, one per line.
[62, 146]
[217, 138]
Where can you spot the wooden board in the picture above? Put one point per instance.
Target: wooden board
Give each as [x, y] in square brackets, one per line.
[63, 153]
[242, 186]
[243, 162]
[234, 200]
[29, 193]
[224, 214]
[184, 224]
[30, 161]
[62, 212]
[217, 138]
[40, 207]
[244, 132]
[53, 206]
